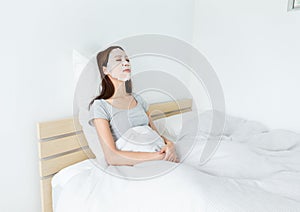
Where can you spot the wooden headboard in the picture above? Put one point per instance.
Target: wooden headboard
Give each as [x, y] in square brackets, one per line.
[61, 144]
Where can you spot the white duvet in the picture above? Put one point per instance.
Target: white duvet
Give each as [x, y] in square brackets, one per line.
[254, 169]
[140, 139]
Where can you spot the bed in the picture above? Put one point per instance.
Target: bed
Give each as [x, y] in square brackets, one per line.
[253, 169]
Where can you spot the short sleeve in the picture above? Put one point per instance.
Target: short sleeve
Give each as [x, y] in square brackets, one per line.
[97, 110]
[142, 101]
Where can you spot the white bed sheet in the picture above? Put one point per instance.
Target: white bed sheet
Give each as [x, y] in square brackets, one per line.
[254, 169]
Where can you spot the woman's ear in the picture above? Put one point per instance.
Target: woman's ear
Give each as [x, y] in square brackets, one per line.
[104, 70]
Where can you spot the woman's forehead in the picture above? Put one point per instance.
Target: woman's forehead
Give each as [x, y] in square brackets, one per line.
[117, 53]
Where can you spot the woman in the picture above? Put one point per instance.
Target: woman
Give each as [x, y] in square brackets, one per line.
[117, 109]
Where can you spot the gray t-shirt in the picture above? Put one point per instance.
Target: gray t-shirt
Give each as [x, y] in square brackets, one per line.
[120, 119]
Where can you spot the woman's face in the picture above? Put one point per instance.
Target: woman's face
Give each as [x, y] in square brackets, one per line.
[118, 65]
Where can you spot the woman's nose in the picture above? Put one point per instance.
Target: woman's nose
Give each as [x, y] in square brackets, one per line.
[125, 63]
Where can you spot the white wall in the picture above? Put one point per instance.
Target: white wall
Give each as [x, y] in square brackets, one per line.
[37, 42]
[254, 48]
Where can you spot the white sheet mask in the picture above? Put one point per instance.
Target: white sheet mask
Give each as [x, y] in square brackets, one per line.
[117, 63]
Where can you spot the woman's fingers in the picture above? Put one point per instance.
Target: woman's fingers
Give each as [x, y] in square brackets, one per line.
[170, 153]
[175, 158]
[171, 157]
[163, 149]
[167, 157]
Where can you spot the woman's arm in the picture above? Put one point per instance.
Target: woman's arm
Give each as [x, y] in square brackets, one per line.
[169, 149]
[115, 157]
[151, 124]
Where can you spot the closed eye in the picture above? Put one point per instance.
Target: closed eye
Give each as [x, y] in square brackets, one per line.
[121, 60]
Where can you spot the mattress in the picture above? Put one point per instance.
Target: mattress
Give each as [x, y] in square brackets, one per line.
[253, 169]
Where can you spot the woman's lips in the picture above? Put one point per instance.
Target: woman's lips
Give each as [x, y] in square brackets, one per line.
[127, 70]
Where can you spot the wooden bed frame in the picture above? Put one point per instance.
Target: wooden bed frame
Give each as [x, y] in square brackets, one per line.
[61, 144]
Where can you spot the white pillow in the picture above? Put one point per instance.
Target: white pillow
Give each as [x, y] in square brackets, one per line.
[227, 125]
[177, 125]
[172, 126]
[87, 88]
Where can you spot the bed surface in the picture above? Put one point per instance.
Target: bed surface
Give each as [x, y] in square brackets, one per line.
[254, 169]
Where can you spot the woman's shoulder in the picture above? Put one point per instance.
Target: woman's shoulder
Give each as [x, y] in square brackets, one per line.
[141, 100]
[99, 103]
[98, 110]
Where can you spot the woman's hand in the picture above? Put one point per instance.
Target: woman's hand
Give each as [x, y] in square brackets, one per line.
[170, 152]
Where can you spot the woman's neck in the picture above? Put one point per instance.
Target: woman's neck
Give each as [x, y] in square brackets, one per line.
[120, 89]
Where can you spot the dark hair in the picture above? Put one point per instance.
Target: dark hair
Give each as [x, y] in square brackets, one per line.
[106, 84]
